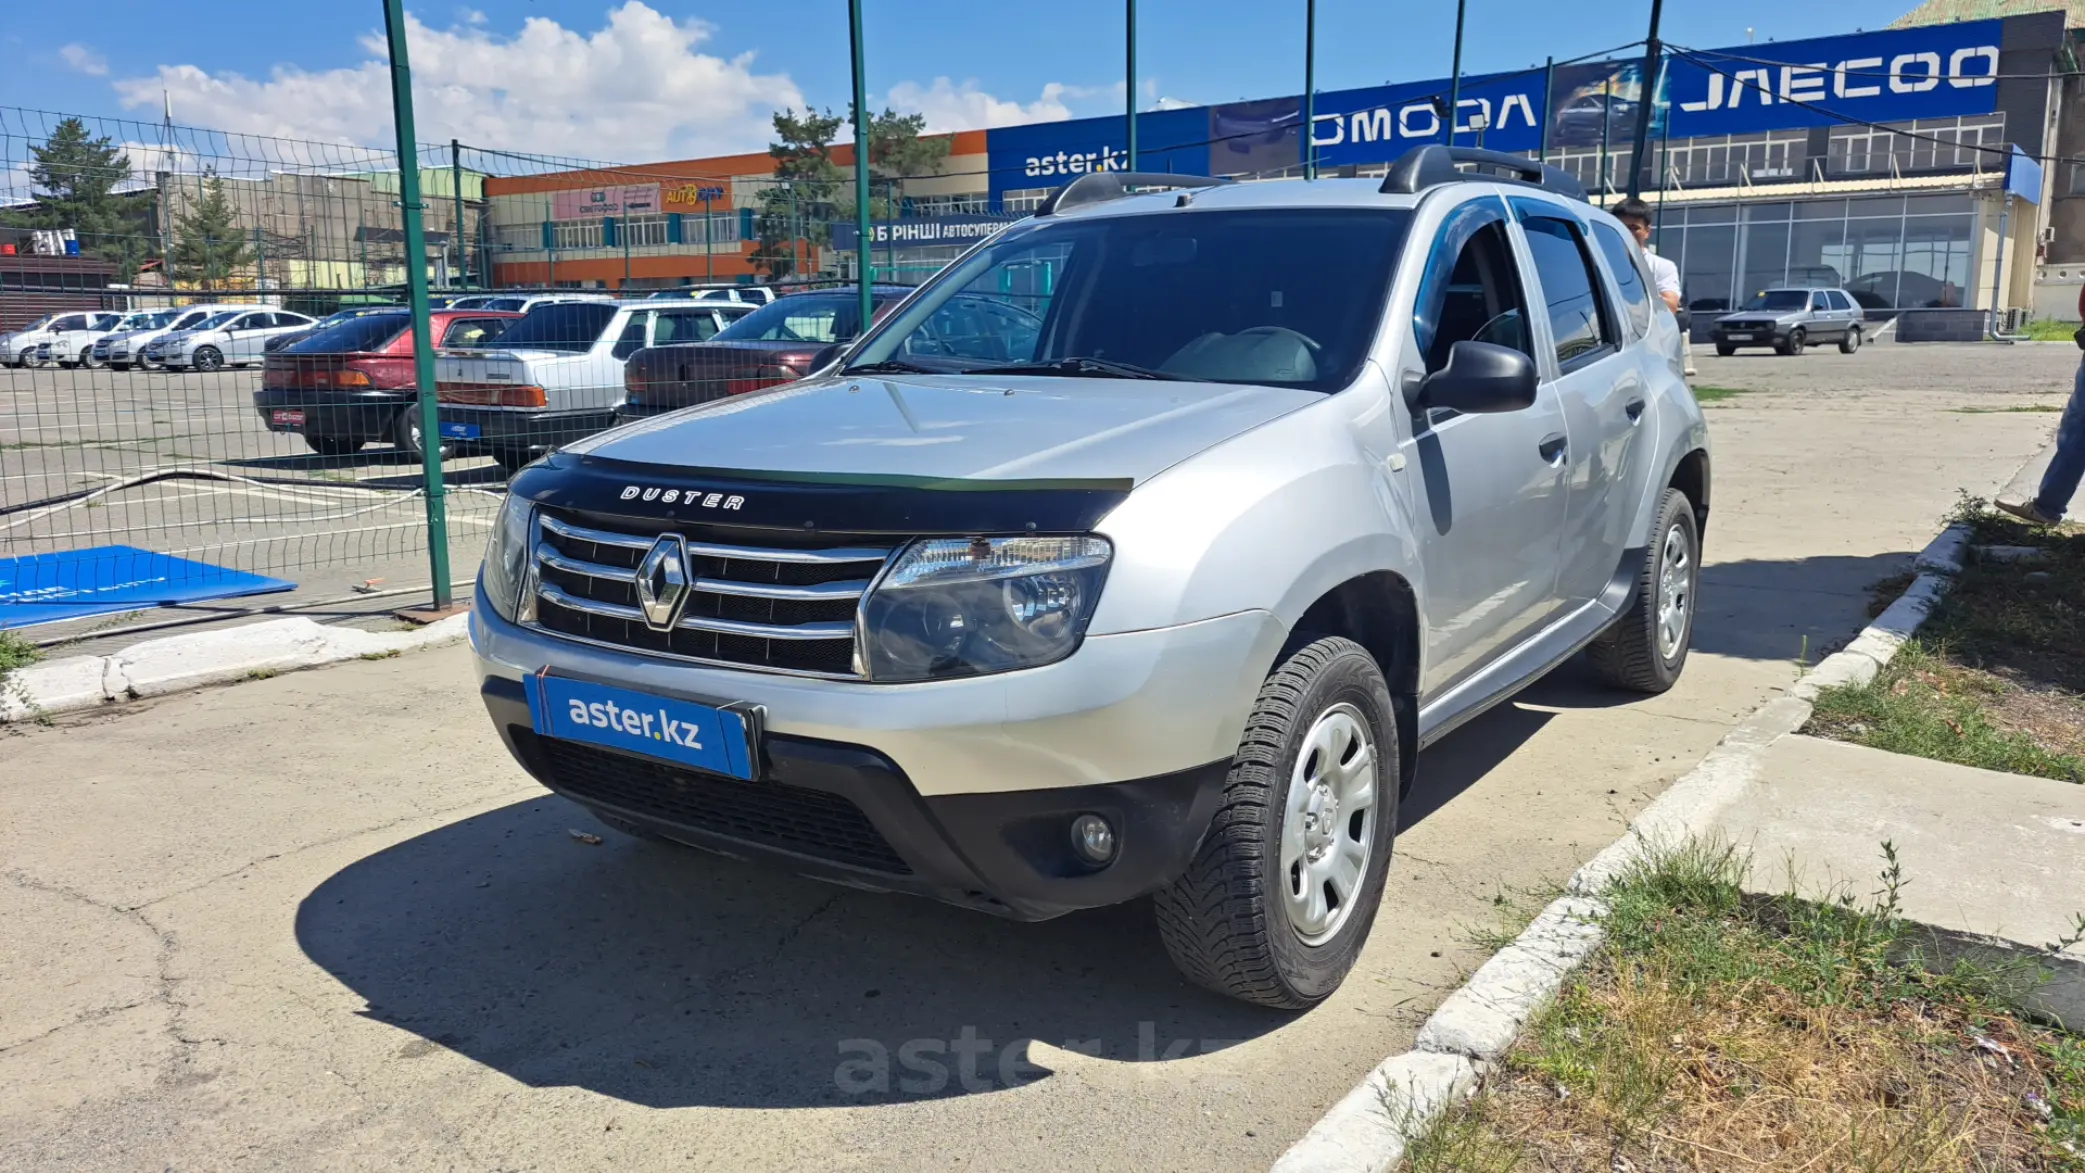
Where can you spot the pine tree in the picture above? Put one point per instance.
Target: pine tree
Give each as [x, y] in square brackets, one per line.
[896, 151]
[75, 176]
[796, 213]
[208, 242]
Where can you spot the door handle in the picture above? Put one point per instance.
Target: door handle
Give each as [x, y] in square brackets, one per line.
[1635, 410]
[1552, 447]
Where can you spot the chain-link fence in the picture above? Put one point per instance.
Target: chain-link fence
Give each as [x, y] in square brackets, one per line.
[206, 377]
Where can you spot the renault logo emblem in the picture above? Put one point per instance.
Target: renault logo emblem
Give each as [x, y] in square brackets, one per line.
[662, 583]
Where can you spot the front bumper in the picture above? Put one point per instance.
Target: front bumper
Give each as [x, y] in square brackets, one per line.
[1764, 334]
[520, 429]
[970, 785]
[356, 415]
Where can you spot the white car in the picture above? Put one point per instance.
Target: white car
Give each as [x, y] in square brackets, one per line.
[748, 294]
[231, 338]
[125, 347]
[38, 341]
[519, 303]
[75, 348]
[557, 373]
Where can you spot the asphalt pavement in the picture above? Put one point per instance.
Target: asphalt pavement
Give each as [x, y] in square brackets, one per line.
[321, 922]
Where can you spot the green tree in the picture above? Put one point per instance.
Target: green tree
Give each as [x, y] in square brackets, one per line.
[75, 176]
[796, 213]
[896, 151]
[208, 242]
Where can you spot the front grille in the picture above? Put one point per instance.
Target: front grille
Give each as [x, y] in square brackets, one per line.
[808, 822]
[777, 601]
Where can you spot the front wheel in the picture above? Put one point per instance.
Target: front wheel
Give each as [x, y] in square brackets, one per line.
[1794, 345]
[1725, 350]
[1280, 897]
[208, 358]
[1850, 343]
[88, 360]
[1646, 648]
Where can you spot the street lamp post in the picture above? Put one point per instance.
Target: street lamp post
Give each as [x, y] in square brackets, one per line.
[1647, 99]
[1129, 73]
[1455, 76]
[1310, 88]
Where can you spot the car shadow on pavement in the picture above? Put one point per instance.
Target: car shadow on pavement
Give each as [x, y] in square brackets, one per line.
[669, 977]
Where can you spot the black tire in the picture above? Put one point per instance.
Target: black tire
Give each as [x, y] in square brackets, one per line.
[1632, 654]
[1793, 344]
[208, 358]
[1725, 349]
[405, 432]
[1226, 921]
[88, 361]
[1851, 341]
[512, 460]
[334, 445]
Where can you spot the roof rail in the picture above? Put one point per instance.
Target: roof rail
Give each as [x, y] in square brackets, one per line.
[1427, 166]
[1102, 186]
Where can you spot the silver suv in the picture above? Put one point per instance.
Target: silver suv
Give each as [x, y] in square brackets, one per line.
[1155, 587]
[1790, 320]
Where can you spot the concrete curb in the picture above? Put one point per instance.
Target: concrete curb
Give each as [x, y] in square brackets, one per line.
[1370, 1129]
[176, 663]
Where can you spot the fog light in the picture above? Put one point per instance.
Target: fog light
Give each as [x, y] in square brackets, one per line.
[1093, 839]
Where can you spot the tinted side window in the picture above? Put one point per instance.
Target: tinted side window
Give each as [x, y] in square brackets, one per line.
[684, 326]
[1840, 301]
[632, 339]
[1628, 276]
[1570, 292]
[469, 332]
[1475, 296]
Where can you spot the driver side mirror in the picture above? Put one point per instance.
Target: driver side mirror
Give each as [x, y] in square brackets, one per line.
[826, 357]
[1480, 377]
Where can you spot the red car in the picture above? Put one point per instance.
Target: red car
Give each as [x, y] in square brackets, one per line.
[352, 384]
[777, 343]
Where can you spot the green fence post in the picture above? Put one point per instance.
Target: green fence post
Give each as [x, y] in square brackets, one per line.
[863, 237]
[456, 191]
[416, 289]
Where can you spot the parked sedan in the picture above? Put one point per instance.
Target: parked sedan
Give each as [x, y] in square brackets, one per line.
[231, 338]
[352, 383]
[1789, 320]
[37, 341]
[777, 343]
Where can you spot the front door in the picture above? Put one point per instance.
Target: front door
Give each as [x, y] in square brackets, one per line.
[1489, 488]
[244, 336]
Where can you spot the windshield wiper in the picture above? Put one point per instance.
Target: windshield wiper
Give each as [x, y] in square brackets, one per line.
[889, 366]
[1104, 368]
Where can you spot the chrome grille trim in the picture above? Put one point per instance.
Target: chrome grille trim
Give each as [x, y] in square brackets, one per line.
[548, 556]
[552, 594]
[824, 592]
[582, 533]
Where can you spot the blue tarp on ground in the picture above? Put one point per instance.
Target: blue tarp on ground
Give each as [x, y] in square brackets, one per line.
[47, 588]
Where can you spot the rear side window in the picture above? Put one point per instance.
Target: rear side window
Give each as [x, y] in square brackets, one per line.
[469, 332]
[356, 335]
[1628, 276]
[632, 338]
[1570, 291]
[1840, 301]
[684, 326]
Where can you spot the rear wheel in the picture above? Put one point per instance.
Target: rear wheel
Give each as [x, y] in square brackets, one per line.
[1851, 342]
[1795, 342]
[333, 445]
[1646, 649]
[1280, 897]
[208, 358]
[88, 360]
[405, 433]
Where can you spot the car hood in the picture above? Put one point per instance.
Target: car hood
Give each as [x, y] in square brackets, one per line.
[1761, 316]
[927, 429]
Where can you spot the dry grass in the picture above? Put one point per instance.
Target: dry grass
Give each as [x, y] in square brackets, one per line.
[1717, 1032]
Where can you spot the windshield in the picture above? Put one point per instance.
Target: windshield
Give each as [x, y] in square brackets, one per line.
[362, 332]
[1285, 296]
[803, 317]
[39, 323]
[572, 326]
[1780, 300]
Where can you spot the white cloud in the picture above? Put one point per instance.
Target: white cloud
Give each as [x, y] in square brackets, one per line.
[639, 88]
[950, 106]
[84, 59]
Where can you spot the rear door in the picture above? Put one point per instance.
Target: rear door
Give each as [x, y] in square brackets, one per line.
[245, 335]
[1597, 385]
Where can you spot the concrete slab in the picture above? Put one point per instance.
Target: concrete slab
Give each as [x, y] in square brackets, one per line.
[1987, 858]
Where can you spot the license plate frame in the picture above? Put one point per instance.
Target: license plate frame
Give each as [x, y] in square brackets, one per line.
[288, 417]
[697, 734]
[1745, 337]
[458, 430]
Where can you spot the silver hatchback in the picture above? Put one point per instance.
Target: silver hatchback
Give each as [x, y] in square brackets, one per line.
[1789, 320]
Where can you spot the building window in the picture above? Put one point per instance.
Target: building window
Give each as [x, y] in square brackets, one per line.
[949, 205]
[1889, 251]
[1930, 144]
[641, 231]
[575, 233]
[1731, 160]
[518, 237]
[1025, 200]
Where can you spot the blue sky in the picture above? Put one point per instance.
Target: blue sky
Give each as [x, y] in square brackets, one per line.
[629, 79]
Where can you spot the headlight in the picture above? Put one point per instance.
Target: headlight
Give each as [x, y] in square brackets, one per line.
[506, 557]
[969, 606]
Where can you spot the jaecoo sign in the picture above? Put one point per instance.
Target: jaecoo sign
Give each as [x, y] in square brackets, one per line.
[1894, 76]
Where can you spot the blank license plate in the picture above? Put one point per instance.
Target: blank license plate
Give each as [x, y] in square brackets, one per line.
[290, 419]
[460, 431]
[691, 734]
[1739, 337]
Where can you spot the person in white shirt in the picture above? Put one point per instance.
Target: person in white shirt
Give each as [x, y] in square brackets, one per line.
[1635, 215]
